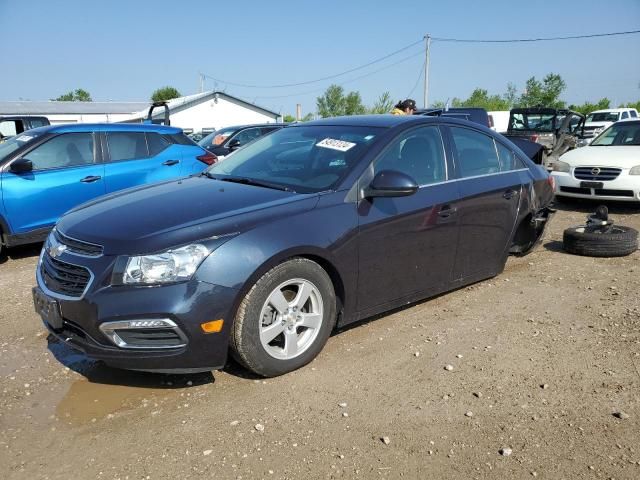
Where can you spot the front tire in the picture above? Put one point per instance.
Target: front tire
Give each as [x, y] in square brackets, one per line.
[285, 319]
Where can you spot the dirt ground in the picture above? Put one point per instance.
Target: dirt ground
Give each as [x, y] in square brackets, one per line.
[543, 356]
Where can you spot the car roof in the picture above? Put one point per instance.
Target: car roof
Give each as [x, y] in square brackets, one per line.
[108, 127]
[612, 110]
[251, 125]
[385, 120]
[544, 110]
[391, 121]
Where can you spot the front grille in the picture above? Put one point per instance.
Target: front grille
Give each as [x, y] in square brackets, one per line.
[614, 193]
[590, 131]
[603, 192]
[77, 246]
[600, 174]
[583, 191]
[64, 278]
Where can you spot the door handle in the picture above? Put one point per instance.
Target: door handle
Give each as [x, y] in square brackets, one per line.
[509, 194]
[168, 163]
[447, 211]
[90, 179]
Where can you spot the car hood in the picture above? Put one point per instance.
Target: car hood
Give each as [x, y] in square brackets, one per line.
[597, 124]
[613, 156]
[156, 217]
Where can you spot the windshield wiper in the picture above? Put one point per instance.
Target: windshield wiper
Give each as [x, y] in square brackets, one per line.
[248, 181]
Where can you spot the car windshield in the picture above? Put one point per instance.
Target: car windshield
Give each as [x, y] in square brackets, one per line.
[603, 117]
[622, 133]
[218, 137]
[541, 122]
[304, 159]
[14, 143]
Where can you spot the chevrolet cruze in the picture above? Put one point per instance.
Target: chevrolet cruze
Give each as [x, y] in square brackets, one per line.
[310, 228]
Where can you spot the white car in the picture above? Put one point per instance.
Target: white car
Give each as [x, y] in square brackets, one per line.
[599, 120]
[607, 169]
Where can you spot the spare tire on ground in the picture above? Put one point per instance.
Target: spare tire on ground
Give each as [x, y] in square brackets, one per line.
[615, 241]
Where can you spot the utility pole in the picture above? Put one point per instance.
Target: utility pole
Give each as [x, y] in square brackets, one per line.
[427, 38]
[201, 82]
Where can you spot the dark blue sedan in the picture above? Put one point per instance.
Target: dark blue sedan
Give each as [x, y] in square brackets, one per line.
[317, 225]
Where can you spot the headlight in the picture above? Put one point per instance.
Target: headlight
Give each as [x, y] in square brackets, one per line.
[174, 265]
[559, 166]
[635, 170]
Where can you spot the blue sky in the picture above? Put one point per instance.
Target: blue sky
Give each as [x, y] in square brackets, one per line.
[122, 50]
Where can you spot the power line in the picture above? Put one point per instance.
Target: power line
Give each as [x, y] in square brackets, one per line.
[378, 60]
[418, 79]
[542, 39]
[355, 79]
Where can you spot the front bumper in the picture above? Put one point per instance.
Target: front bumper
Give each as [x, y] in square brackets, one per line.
[187, 305]
[625, 187]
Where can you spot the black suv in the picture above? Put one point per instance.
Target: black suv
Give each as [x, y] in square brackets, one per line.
[224, 141]
[15, 125]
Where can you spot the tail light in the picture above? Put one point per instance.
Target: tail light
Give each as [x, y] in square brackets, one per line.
[534, 138]
[208, 158]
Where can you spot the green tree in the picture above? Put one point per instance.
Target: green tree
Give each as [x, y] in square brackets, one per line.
[511, 96]
[165, 93]
[635, 105]
[384, 104]
[588, 107]
[334, 102]
[78, 95]
[353, 104]
[290, 118]
[480, 98]
[546, 93]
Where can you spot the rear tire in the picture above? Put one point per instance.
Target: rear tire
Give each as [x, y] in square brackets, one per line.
[620, 242]
[285, 319]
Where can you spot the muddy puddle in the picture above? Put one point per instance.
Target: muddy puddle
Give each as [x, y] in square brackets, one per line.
[91, 391]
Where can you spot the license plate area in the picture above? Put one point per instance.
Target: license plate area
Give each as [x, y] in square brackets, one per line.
[591, 185]
[48, 308]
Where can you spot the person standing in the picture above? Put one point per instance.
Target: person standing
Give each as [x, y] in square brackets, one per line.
[405, 107]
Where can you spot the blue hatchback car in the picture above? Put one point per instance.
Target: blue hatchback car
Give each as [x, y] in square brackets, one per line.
[46, 171]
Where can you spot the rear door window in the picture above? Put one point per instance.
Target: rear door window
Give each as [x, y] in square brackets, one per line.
[66, 150]
[476, 152]
[625, 115]
[38, 122]
[8, 128]
[248, 135]
[127, 145]
[156, 143]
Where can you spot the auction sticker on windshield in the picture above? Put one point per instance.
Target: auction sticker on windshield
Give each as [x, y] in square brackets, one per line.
[334, 144]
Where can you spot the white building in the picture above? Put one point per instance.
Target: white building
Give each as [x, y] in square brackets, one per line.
[193, 113]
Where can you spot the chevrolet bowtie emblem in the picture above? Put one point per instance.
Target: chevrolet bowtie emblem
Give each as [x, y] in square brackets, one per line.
[56, 249]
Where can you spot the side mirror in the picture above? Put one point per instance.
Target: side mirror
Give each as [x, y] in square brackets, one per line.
[391, 183]
[234, 145]
[22, 165]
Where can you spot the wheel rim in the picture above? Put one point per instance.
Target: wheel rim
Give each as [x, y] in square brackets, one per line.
[291, 318]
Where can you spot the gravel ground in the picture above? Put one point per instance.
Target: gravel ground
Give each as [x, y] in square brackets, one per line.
[534, 373]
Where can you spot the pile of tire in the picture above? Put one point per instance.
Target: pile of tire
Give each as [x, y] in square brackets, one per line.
[618, 241]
